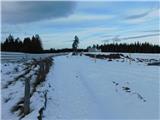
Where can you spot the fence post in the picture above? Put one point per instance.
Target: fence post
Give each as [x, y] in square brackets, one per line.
[27, 97]
[95, 58]
[130, 58]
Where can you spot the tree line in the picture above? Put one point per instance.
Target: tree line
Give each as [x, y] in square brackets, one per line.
[29, 45]
[34, 45]
[133, 47]
[52, 50]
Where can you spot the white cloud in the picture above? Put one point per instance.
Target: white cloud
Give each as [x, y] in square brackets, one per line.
[82, 18]
[87, 36]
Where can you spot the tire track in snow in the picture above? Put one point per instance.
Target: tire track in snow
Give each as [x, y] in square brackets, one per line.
[92, 95]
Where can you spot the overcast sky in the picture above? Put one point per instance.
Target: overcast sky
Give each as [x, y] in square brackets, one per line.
[93, 22]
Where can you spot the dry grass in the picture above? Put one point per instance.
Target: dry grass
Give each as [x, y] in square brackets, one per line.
[43, 71]
[45, 65]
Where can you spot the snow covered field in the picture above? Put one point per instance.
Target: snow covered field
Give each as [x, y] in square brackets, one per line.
[80, 88]
[16, 56]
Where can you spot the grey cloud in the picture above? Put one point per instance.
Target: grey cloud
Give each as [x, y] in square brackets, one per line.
[107, 36]
[132, 37]
[138, 15]
[140, 36]
[30, 11]
[151, 31]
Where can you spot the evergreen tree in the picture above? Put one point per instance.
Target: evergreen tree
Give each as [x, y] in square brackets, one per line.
[27, 45]
[134, 48]
[75, 44]
[38, 43]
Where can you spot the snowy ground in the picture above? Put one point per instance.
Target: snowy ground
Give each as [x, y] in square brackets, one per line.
[12, 86]
[17, 56]
[133, 55]
[80, 88]
[84, 89]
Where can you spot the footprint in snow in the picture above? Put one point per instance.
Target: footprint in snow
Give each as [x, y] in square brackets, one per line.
[127, 89]
[115, 83]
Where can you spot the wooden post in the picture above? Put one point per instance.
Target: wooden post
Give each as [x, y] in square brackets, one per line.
[27, 97]
[95, 58]
[130, 58]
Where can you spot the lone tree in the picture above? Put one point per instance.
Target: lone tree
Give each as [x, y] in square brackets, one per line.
[75, 45]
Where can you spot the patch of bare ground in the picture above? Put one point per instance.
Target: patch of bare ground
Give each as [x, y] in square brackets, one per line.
[109, 56]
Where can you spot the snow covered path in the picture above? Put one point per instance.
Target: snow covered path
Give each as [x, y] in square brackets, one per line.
[83, 89]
